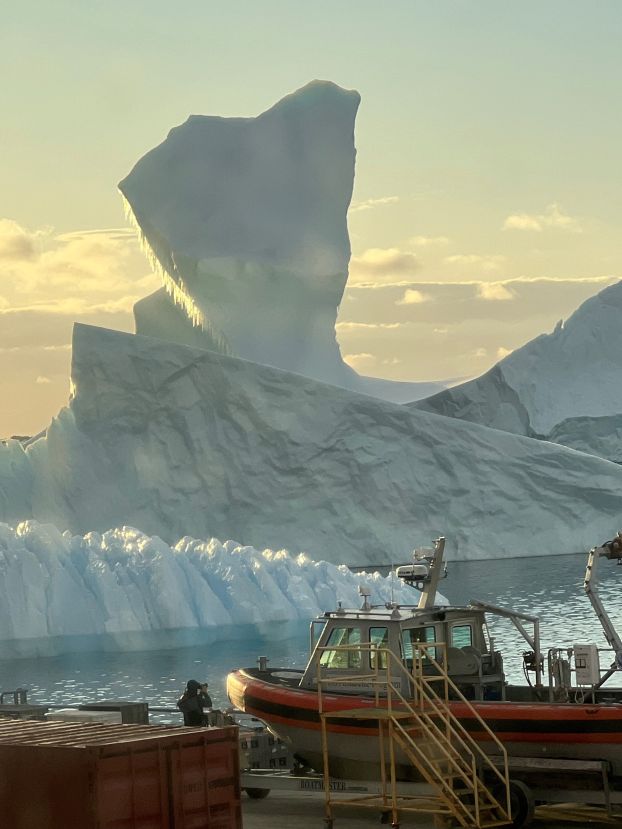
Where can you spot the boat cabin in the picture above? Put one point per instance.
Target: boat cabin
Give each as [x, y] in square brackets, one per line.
[472, 663]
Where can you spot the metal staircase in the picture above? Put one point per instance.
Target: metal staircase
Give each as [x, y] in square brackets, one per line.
[416, 728]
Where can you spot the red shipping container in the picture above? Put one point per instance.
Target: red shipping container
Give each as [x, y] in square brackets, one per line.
[66, 775]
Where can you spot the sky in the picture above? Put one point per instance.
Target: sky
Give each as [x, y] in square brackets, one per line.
[487, 199]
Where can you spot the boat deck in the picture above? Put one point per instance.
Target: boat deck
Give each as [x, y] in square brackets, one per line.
[290, 678]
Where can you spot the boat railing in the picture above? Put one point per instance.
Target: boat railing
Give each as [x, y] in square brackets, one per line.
[565, 672]
[19, 696]
[454, 754]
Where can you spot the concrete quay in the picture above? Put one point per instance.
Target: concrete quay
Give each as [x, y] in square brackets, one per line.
[305, 810]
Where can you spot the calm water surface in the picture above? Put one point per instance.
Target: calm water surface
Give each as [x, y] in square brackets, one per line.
[550, 588]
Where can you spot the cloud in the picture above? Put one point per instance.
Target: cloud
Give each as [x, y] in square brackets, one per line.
[356, 326]
[16, 243]
[116, 233]
[429, 241]
[356, 360]
[494, 291]
[553, 217]
[382, 263]
[517, 310]
[73, 306]
[369, 204]
[46, 328]
[484, 262]
[596, 281]
[364, 361]
[522, 221]
[92, 263]
[457, 333]
[413, 297]
[49, 281]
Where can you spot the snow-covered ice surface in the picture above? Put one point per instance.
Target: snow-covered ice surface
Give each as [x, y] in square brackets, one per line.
[56, 590]
[246, 221]
[180, 441]
[564, 386]
[600, 436]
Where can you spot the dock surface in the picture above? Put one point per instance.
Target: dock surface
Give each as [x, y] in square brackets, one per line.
[305, 810]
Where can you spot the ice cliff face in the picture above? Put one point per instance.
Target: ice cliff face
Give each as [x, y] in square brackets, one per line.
[122, 584]
[181, 441]
[246, 220]
[600, 436]
[564, 387]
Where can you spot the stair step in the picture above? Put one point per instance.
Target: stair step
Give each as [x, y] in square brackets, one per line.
[433, 742]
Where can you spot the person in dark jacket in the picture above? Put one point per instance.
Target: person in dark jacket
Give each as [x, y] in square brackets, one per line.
[209, 717]
[191, 703]
[206, 700]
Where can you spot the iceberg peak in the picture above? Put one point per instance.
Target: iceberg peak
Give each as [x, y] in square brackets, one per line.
[245, 219]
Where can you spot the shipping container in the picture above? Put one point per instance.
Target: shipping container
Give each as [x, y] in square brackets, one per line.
[135, 713]
[75, 715]
[70, 775]
[24, 711]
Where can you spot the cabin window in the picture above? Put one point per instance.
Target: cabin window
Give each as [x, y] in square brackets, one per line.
[342, 637]
[380, 638]
[410, 639]
[461, 636]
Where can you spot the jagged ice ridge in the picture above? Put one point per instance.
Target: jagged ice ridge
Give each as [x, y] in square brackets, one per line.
[125, 582]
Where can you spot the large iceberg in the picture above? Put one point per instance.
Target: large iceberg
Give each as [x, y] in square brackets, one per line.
[123, 589]
[562, 387]
[237, 417]
[246, 221]
[180, 441]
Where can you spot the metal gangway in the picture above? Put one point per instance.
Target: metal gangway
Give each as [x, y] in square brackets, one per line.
[416, 727]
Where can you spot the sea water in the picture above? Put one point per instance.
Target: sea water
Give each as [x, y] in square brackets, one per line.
[550, 587]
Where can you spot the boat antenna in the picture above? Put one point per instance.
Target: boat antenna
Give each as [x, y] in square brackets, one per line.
[392, 583]
[428, 594]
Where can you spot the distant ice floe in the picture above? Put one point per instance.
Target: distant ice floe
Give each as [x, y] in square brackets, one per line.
[123, 581]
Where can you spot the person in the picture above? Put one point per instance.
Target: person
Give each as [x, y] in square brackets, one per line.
[206, 700]
[190, 703]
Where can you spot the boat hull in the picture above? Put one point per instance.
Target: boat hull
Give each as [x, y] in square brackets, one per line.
[549, 730]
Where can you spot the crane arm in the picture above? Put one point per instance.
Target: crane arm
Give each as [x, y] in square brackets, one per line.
[611, 550]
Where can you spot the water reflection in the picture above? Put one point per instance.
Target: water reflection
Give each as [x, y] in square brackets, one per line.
[155, 676]
[548, 587]
[551, 588]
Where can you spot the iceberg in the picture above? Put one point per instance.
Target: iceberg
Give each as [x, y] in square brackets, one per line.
[562, 387]
[245, 219]
[231, 414]
[181, 441]
[123, 588]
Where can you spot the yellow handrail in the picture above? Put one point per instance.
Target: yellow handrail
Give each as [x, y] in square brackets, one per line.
[453, 742]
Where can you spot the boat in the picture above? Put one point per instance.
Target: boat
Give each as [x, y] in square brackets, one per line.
[371, 659]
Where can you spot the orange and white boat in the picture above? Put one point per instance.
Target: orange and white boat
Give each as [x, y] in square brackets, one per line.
[575, 715]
